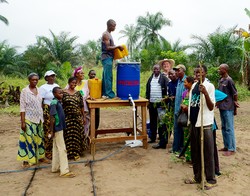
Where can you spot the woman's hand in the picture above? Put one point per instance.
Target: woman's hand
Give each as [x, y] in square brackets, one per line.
[84, 119]
[184, 108]
[23, 126]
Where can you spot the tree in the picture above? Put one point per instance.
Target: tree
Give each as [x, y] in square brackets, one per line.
[149, 26]
[11, 63]
[219, 47]
[132, 34]
[2, 18]
[37, 57]
[91, 52]
[61, 48]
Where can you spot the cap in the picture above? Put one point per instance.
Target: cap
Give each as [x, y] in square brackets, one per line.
[49, 73]
[180, 66]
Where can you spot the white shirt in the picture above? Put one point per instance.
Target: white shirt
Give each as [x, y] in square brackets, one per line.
[208, 116]
[155, 90]
[46, 92]
[31, 104]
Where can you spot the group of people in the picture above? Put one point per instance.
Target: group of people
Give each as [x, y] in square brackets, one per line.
[197, 97]
[54, 121]
[52, 118]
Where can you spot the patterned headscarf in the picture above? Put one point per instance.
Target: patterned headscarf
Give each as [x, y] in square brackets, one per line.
[77, 70]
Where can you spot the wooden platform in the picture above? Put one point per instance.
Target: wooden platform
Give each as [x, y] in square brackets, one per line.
[100, 103]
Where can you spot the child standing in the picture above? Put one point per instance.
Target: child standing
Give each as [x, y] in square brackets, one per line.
[57, 124]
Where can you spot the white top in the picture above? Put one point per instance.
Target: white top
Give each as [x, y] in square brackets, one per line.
[31, 104]
[155, 90]
[208, 116]
[46, 92]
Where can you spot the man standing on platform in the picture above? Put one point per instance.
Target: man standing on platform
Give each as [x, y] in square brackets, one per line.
[107, 57]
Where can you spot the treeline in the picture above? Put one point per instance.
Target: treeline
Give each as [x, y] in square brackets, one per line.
[62, 52]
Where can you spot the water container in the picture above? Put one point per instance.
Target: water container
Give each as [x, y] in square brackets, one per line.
[95, 88]
[118, 54]
[128, 80]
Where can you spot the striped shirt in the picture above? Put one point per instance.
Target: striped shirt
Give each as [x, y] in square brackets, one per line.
[155, 91]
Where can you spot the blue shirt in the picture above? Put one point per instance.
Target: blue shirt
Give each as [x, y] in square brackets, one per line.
[56, 110]
[178, 97]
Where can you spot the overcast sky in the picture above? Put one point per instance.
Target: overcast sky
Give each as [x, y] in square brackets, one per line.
[87, 18]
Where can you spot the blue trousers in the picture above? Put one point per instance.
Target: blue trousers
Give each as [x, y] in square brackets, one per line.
[227, 127]
[107, 78]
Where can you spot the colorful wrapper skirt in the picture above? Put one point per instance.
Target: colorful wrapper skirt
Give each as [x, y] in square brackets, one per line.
[31, 143]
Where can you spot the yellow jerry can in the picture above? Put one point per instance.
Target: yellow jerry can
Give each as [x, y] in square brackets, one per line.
[95, 88]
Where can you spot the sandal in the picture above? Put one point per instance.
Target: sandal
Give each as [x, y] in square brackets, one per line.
[190, 181]
[43, 160]
[209, 186]
[76, 158]
[68, 175]
[25, 165]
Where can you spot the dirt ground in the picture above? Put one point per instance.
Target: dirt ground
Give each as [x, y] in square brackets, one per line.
[131, 171]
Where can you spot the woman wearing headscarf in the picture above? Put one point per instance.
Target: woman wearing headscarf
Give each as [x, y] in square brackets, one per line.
[31, 140]
[46, 92]
[82, 86]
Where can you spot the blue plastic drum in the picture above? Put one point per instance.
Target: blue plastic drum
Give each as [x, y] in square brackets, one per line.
[128, 80]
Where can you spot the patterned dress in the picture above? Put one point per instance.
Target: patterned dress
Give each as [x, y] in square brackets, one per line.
[74, 136]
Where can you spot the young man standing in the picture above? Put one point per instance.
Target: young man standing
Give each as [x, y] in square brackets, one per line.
[206, 92]
[108, 47]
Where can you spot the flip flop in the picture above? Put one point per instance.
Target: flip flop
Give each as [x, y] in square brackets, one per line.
[68, 175]
[190, 181]
[76, 158]
[209, 186]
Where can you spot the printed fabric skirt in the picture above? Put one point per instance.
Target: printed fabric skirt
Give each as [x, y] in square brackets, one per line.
[48, 142]
[31, 144]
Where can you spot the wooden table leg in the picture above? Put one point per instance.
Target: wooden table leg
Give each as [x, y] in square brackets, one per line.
[144, 128]
[92, 131]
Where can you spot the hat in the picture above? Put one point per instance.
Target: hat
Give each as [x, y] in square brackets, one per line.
[180, 66]
[171, 61]
[49, 73]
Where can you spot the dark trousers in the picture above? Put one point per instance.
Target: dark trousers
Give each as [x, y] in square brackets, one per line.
[178, 142]
[209, 165]
[216, 157]
[154, 120]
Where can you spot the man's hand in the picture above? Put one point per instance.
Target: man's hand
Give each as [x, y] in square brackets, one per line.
[121, 48]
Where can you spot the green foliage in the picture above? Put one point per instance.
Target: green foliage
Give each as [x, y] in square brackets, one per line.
[149, 26]
[213, 75]
[220, 47]
[91, 53]
[12, 109]
[180, 57]
[243, 92]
